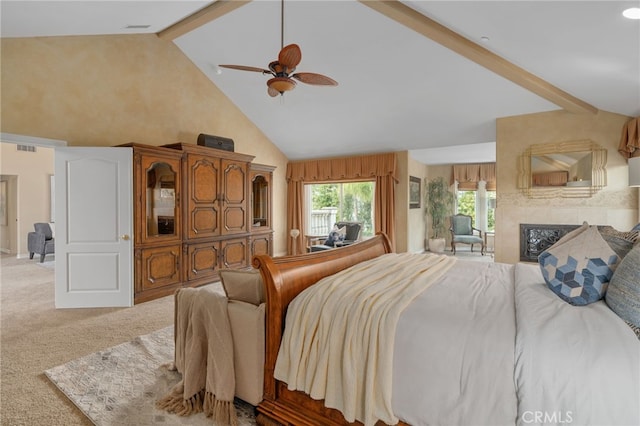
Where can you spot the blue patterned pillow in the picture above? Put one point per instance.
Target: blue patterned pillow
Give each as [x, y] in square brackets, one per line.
[579, 266]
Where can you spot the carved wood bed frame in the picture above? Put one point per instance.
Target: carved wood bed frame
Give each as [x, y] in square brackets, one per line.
[284, 279]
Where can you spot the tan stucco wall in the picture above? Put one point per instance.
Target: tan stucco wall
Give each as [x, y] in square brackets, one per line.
[110, 90]
[32, 172]
[615, 205]
[410, 224]
[416, 221]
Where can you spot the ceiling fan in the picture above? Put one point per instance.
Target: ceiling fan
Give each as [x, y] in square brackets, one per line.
[282, 70]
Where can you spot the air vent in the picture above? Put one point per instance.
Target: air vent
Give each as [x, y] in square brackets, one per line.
[26, 148]
[137, 27]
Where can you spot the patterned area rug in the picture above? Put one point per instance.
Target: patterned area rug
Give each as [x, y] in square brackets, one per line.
[119, 386]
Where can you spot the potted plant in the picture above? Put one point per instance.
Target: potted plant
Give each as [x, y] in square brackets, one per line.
[440, 202]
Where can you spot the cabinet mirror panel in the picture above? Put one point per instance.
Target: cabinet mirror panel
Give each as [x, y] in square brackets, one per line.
[260, 200]
[161, 200]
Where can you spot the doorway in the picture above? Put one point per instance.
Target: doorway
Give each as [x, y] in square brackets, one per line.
[26, 168]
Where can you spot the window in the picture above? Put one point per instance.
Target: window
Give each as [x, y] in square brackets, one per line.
[491, 211]
[480, 205]
[328, 203]
[467, 204]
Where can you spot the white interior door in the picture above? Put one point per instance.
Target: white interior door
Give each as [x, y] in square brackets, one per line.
[94, 219]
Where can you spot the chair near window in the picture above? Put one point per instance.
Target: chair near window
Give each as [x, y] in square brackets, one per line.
[462, 231]
[353, 233]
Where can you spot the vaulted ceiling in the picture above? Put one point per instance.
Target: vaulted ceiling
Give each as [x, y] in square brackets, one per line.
[430, 77]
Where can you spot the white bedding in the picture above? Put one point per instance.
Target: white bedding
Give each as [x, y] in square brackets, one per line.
[574, 364]
[453, 355]
[490, 344]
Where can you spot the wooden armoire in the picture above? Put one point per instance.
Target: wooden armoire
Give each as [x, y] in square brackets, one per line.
[196, 210]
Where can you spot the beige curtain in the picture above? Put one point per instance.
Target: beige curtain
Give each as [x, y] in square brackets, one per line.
[378, 167]
[468, 176]
[630, 139]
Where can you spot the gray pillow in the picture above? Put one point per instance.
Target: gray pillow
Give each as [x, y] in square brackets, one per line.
[623, 294]
[621, 242]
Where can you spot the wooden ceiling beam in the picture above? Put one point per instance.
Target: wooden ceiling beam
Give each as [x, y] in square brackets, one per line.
[201, 17]
[431, 29]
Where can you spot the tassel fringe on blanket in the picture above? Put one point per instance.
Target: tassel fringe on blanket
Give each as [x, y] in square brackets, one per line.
[204, 357]
[223, 412]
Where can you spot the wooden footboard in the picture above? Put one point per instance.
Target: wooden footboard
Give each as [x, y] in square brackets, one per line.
[284, 279]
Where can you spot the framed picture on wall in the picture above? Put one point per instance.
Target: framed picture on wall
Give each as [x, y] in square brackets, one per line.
[414, 192]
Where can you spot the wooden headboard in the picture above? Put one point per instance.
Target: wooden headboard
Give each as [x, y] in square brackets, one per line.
[285, 277]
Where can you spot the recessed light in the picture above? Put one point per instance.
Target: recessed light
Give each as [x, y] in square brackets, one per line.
[632, 13]
[484, 39]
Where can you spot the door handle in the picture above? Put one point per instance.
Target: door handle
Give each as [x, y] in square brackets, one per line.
[125, 237]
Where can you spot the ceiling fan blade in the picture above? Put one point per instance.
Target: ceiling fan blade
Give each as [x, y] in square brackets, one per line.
[290, 56]
[272, 92]
[245, 68]
[316, 79]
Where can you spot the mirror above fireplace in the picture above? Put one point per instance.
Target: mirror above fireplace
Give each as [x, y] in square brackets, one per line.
[574, 169]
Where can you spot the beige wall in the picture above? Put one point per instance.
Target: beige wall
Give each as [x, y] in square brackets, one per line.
[31, 171]
[615, 205]
[416, 224]
[110, 90]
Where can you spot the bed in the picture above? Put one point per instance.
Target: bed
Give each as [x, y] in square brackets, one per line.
[485, 343]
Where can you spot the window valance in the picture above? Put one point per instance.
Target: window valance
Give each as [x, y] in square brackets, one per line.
[630, 139]
[468, 176]
[365, 166]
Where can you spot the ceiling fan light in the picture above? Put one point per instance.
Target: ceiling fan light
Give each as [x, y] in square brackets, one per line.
[281, 84]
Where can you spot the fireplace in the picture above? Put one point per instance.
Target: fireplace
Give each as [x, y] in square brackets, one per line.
[536, 238]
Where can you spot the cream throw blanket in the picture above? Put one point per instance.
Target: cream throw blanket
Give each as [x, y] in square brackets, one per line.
[204, 356]
[339, 334]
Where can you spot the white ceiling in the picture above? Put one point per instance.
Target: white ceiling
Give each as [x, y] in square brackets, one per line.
[397, 89]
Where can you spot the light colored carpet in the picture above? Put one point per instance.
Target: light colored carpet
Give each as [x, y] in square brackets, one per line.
[119, 385]
[48, 264]
[34, 337]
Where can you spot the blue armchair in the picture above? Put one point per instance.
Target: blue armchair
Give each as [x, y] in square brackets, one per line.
[462, 231]
[41, 241]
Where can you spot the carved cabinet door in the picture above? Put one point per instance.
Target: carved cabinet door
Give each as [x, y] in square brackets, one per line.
[158, 267]
[234, 253]
[203, 196]
[202, 260]
[234, 197]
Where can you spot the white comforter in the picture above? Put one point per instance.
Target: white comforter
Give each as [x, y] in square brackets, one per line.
[453, 355]
[489, 344]
[575, 365]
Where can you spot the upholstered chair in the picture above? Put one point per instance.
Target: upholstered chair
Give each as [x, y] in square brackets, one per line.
[41, 241]
[352, 234]
[462, 231]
